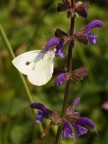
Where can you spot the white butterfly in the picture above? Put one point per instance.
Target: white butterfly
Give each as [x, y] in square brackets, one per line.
[37, 65]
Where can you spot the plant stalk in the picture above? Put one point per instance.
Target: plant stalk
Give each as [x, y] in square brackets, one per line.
[68, 85]
[9, 48]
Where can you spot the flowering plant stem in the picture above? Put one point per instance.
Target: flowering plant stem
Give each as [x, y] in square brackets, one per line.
[68, 85]
[8, 46]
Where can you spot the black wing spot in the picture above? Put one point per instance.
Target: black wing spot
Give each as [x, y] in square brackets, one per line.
[27, 63]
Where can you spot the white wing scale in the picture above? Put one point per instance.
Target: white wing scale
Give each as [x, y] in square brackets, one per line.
[37, 65]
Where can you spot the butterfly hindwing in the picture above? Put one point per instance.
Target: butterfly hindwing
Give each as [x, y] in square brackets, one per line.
[43, 69]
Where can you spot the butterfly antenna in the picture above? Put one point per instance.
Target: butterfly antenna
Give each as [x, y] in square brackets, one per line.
[27, 107]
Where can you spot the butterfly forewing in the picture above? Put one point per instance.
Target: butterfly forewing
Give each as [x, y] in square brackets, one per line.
[25, 62]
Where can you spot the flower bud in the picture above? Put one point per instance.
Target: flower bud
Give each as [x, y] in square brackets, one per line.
[82, 8]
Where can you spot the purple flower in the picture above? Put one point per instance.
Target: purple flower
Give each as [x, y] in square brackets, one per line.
[58, 44]
[52, 43]
[85, 121]
[71, 112]
[77, 75]
[76, 102]
[61, 79]
[93, 24]
[67, 130]
[42, 113]
[45, 113]
[92, 38]
[74, 121]
[80, 126]
[59, 52]
[80, 130]
[40, 116]
[77, 122]
[85, 35]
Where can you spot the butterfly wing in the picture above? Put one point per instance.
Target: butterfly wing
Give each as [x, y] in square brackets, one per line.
[43, 69]
[25, 62]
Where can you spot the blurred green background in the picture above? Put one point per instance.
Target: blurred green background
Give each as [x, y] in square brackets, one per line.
[29, 24]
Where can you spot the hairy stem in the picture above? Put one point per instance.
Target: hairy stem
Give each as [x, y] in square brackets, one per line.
[68, 86]
[9, 48]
